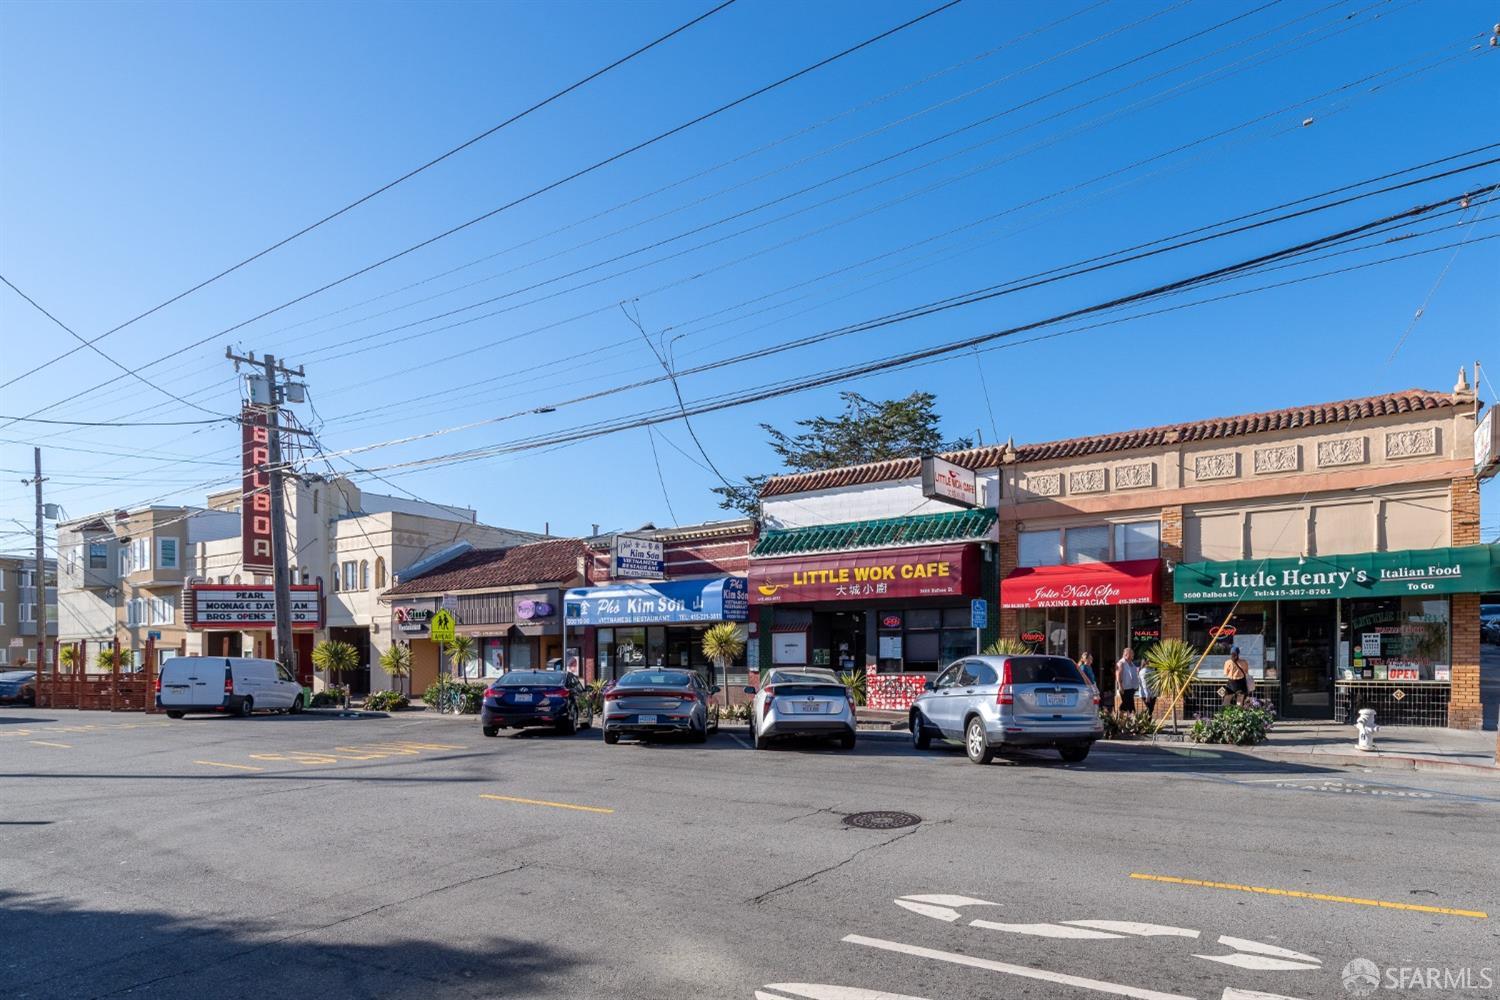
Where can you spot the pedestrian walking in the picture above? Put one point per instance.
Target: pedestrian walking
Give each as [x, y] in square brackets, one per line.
[1127, 679]
[1236, 678]
[1086, 667]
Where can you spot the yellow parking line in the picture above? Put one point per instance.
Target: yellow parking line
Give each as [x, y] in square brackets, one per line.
[542, 802]
[1295, 894]
[44, 743]
[237, 767]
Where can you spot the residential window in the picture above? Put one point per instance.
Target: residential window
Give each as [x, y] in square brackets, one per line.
[163, 611]
[1040, 548]
[98, 555]
[1138, 540]
[166, 553]
[350, 581]
[1087, 545]
[133, 609]
[135, 556]
[333, 577]
[2, 614]
[364, 575]
[379, 572]
[28, 612]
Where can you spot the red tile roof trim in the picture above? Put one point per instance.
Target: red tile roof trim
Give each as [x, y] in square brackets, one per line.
[1213, 428]
[551, 561]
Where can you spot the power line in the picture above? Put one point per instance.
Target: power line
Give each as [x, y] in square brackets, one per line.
[706, 116]
[383, 188]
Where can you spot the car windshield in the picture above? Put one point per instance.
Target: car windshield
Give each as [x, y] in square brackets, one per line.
[530, 678]
[1044, 670]
[656, 678]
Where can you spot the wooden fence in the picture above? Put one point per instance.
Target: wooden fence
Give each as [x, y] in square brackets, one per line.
[99, 691]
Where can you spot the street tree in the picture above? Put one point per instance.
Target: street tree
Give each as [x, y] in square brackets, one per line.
[869, 430]
[336, 658]
[396, 661]
[723, 643]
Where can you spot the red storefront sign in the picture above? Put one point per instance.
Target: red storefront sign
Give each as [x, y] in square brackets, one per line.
[255, 501]
[938, 571]
[1137, 581]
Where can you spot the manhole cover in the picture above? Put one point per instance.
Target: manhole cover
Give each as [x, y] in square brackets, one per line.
[881, 820]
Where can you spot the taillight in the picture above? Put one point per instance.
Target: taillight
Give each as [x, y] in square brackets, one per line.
[493, 692]
[765, 706]
[612, 695]
[1096, 697]
[158, 683]
[688, 696]
[1007, 695]
[228, 681]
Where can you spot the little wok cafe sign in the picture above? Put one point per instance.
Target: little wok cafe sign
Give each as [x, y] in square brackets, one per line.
[938, 571]
[1468, 569]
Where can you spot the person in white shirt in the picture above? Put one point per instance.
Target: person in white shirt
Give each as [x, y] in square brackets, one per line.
[1127, 679]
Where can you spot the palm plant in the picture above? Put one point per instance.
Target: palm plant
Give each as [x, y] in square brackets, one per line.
[1007, 647]
[335, 657]
[460, 650]
[723, 644]
[1172, 663]
[108, 659]
[67, 658]
[396, 661]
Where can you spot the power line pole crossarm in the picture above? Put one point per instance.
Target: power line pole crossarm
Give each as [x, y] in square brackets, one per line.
[281, 572]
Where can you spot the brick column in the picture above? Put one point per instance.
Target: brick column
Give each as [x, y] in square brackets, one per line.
[1463, 613]
[1171, 550]
[1007, 555]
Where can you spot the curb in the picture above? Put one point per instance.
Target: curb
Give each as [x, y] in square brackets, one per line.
[344, 713]
[1376, 760]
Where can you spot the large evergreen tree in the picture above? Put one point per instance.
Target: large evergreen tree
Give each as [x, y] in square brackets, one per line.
[867, 431]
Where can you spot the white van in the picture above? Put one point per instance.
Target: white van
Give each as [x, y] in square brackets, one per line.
[225, 684]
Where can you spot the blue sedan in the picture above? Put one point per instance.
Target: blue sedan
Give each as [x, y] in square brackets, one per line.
[524, 698]
[18, 686]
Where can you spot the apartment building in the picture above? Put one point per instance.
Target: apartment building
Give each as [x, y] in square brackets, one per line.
[20, 618]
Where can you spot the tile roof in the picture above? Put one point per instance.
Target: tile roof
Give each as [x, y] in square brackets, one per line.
[951, 526]
[535, 562]
[989, 457]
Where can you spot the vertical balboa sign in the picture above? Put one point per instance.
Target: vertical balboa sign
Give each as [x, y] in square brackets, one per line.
[255, 501]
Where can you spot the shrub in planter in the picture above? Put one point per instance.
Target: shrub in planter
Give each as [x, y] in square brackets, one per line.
[1234, 725]
[444, 692]
[386, 701]
[1118, 725]
[854, 680]
[330, 697]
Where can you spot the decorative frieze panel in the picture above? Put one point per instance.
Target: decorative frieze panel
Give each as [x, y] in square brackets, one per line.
[1412, 442]
[1087, 481]
[1281, 458]
[1132, 477]
[1341, 451]
[1219, 465]
[1043, 484]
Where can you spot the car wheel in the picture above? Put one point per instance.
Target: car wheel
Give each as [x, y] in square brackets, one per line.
[921, 737]
[246, 707]
[588, 720]
[611, 738]
[492, 730]
[758, 741]
[976, 743]
[569, 724]
[296, 708]
[699, 735]
[174, 715]
[846, 742]
[1074, 754]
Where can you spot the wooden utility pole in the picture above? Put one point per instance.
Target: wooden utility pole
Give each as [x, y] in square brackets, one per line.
[39, 584]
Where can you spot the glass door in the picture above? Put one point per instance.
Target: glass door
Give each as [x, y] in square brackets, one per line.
[1308, 634]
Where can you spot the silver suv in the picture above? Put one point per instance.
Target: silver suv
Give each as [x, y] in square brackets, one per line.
[998, 703]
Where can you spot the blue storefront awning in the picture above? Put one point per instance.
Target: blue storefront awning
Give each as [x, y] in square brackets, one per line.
[720, 599]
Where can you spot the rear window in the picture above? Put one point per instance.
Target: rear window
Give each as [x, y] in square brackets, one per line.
[529, 678]
[656, 678]
[1044, 670]
[804, 677]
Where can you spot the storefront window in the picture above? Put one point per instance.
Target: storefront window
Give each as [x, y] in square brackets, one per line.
[1145, 628]
[1039, 548]
[1033, 624]
[494, 657]
[1404, 636]
[1252, 628]
[923, 639]
[656, 647]
[520, 654]
[1138, 540]
[1086, 545]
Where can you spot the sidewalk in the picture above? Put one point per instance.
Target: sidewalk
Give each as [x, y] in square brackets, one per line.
[1409, 748]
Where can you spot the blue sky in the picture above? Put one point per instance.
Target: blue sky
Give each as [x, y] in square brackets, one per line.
[149, 145]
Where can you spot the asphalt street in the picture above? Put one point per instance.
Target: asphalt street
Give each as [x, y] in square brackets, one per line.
[409, 856]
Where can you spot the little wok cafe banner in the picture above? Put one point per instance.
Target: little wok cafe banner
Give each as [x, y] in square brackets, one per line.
[937, 571]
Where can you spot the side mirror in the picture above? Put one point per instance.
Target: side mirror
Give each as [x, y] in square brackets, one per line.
[714, 690]
[749, 690]
[928, 686]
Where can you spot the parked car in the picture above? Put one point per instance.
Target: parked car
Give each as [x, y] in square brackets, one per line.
[655, 701]
[998, 703]
[232, 684]
[802, 701]
[18, 686]
[524, 698]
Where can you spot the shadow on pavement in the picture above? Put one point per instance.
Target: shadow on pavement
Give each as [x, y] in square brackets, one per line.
[58, 950]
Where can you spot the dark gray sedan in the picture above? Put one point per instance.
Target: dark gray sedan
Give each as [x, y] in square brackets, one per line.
[660, 701]
[18, 686]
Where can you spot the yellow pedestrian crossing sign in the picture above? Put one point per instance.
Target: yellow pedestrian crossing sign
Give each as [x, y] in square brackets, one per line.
[443, 627]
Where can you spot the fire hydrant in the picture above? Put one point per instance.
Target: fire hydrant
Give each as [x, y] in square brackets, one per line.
[1366, 728]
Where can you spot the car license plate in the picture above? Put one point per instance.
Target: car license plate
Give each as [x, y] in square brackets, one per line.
[647, 720]
[523, 698]
[810, 707]
[1056, 700]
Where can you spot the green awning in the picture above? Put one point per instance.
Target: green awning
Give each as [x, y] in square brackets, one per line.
[1465, 569]
[919, 529]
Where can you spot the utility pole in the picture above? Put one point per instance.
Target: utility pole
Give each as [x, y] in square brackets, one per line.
[281, 571]
[39, 580]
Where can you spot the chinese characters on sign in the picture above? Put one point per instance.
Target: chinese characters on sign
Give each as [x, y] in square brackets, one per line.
[942, 480]
[637, 559]
[920, 572]
[255, 503]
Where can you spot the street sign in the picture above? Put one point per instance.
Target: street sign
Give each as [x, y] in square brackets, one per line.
[443, 627]
[979, 613]
[154, 636]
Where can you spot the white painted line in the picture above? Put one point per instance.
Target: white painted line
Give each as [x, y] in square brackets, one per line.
[1135, 927]
[1047, 930]
[1245, 944]
[825, 991]
[1231, 993]
[1260, 963]
[940, 905]
[1023, 971]
[739, 741]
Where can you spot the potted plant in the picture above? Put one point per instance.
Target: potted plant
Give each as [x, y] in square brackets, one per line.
[396, 661]
[1172, 663]
[337, 658]
[68, 658]
[723, 644]
[1007, 647]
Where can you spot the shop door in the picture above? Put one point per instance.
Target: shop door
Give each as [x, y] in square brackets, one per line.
[1308, 634]
[846, 641]
[1101, 642]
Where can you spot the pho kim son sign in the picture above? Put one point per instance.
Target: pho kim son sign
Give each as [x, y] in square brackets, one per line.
[635, 558]
[231, 607]
[1469, 569]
